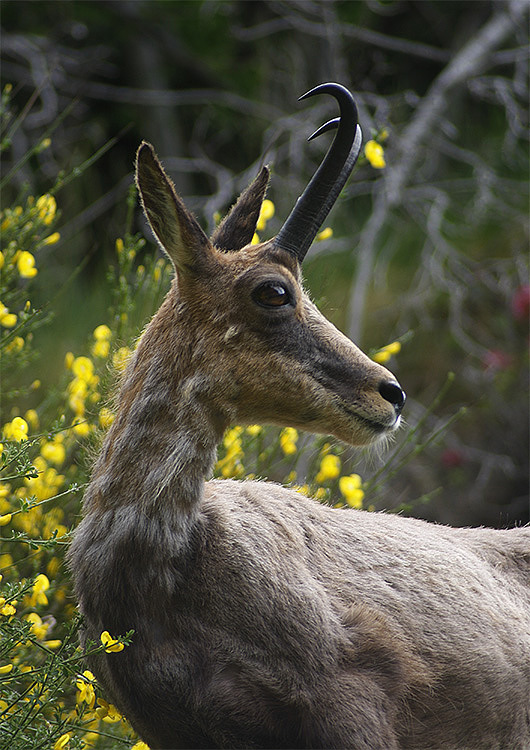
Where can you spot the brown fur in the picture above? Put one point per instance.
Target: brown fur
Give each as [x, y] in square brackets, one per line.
[263, 619]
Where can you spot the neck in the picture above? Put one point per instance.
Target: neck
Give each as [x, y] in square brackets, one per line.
[162, 444]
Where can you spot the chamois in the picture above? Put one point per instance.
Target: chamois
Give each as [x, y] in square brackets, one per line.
[261, 618]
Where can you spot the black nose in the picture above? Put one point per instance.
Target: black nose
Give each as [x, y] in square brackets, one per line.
[392, 392]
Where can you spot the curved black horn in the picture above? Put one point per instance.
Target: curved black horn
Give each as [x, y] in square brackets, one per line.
[316, 201]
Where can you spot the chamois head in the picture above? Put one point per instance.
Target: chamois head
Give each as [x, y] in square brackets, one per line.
[257, 347]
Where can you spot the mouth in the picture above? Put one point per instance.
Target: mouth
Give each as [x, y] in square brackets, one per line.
[377, 427]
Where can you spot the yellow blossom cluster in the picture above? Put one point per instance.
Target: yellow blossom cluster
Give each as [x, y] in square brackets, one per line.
[267, 212]
[327, 483]
[329, 468]
[231, 465]
[26, 229]
[7, 606]
[351, 488]
[102, 335]
[44, 483]
[16, 430]
[46, 208]
[82, 389]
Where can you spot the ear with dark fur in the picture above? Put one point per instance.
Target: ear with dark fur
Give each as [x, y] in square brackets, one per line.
[173, 225]
[238, 227]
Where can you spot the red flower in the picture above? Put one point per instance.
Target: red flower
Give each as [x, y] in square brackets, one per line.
[521, 303]
[496, 359]
[451, 458]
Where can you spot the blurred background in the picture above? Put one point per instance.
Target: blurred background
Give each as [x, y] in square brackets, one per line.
[431, 250]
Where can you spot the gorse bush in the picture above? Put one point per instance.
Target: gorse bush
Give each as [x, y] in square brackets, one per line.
[48, 699]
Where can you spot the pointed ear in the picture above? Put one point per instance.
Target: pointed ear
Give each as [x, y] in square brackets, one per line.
[173, 225]
[238, 227]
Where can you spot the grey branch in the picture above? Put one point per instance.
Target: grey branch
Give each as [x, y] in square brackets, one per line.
[469, 61]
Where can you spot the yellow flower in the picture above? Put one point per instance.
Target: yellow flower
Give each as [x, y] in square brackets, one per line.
[26, 265]
[32, 418]
[41, 585]
[384, 354]
[325, 234]
[375, 154]
[107, 712]
[5, 519]
[253, 430]
[302, 489]
[140, 746]
[83, 368]
[266, 213]
[329, 468]
[110, 643]
[106, 417]
[102, 333]
[51, 239]
[120, 358]
[7, 319]
[255, 239]
[6, 609]
[38, 628]
[288, 438]
[47, 207]
[81, 429]
[45, 485]
[6, 669]
[350, 487]
[2, 259]
[53, 567]
[101, 349]
[54, 452]
[85, 688]
[62, 742]
[69, 360]
[6, 561]
[16, 345]
[17, 429]
[53, 644]
[102, 709]
[113, 715]
[119, 246]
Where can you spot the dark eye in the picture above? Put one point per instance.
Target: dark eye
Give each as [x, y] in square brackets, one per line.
[272, 295]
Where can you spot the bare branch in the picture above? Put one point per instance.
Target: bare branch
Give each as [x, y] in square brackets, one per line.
[472, 58]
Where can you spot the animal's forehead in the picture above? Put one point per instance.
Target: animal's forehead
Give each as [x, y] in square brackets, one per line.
[260, 256]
